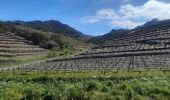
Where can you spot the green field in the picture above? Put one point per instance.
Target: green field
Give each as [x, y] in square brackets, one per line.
[18, 60]
[87, 85]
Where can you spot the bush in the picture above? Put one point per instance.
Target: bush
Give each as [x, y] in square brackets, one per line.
[52, 54]
[49, 45]
[47, 42]
[93, 85]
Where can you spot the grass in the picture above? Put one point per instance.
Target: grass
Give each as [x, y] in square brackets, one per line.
[15, 61]
[85, 74]
[89, 85]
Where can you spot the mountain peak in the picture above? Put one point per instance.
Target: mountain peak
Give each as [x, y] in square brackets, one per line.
[155, 20]
[152, 22]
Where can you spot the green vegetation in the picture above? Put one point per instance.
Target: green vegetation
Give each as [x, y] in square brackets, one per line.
[5, 27]
[60, 53]
[47, 34]
[47, 42]
[74, 85]
[85, 86]
[58, 45]
[14, 61]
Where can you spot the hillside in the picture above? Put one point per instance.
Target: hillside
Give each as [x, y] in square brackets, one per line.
[16, 50]
[12, 45]
[141, 49]
[119, 33]
[153, 23]
[53, 26]
[23, 43]
[70, 41]
[43, 32]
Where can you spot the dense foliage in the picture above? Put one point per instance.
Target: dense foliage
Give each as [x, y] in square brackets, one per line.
[5, 27]
[45, 41]
[52, 87]
[57, 47]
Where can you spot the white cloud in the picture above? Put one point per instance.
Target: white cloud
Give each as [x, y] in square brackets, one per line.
[128, 15]
[104, 14]
[126, 24]
[151, 9]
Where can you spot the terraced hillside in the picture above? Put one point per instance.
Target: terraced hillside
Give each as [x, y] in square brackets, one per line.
[15, 50]
[140, 49]
[143, 48]
[12, 45]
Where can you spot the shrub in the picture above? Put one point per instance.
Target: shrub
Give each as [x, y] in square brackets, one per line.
[92, 85]
[50, 44]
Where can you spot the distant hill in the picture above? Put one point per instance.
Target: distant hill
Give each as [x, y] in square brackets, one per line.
[109, 36]
[153, 23]
[46, 33]
[50, 26]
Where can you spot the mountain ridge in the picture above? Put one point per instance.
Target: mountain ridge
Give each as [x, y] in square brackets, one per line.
[54, 26]
[44, 32]
[119, 33]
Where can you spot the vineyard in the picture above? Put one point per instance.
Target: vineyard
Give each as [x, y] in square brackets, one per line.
[85, 50]
[12, 46]
[141, 49]
[133, 67]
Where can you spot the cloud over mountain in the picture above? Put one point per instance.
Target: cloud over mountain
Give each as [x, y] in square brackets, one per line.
[130, 16]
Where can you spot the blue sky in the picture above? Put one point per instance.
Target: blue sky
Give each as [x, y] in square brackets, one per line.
[92, 17]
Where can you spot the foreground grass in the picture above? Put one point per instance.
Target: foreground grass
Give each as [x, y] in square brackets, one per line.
[90, 85]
